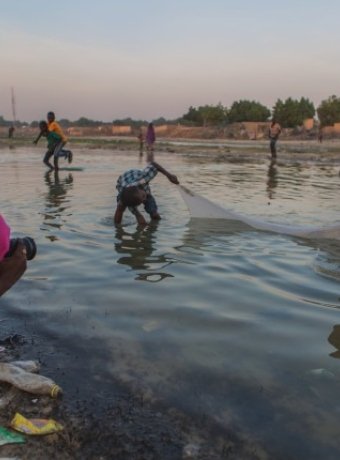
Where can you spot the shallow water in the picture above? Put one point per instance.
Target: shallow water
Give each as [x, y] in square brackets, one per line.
[233, 326]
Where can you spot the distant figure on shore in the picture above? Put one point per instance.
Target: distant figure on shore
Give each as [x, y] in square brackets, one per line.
[53, 126]
[140, 138]
[274, 133]
[320, 134]
[150, 141]
[133, 190]
[11, 130]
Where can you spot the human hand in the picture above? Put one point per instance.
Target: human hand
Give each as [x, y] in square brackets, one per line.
[20, 252]
[12, 268]
[172, 178]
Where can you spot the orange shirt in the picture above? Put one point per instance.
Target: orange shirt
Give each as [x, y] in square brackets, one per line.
[55, 127]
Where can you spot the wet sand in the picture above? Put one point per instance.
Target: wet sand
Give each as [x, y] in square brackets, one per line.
[123, 425]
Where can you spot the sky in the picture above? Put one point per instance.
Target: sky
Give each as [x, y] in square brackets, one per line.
[145, 59]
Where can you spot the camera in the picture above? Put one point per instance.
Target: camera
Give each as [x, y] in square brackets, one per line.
[28, 242]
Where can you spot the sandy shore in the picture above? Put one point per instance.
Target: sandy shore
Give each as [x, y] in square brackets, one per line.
[128, 425]
[229, 150]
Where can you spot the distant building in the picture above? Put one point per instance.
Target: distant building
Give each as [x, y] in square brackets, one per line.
[121, 130]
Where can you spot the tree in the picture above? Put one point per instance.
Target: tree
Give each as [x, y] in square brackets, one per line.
[193, 117]
[206, 115]
[244, 110]
[292, 113]
[213, 115]
[4, 122]
[85, 122]
[65, 122]
[329, 111]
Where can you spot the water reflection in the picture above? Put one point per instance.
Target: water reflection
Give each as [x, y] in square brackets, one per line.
[272, 179]
[137, 248]
[56, 202]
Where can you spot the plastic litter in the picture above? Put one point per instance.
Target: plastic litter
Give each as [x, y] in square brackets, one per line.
[9, 458]
[20, 375]
[8, 437]
[28, 366]
[37, 426]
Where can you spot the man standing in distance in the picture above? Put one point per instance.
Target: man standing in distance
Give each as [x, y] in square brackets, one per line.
[274, 133]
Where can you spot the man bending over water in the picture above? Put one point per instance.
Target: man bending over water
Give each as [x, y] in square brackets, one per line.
[133, 190]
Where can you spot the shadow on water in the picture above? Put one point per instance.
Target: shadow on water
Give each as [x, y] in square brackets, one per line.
[136, 249]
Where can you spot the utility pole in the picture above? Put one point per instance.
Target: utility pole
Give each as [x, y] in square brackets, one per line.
[13, 106]
[11, 129]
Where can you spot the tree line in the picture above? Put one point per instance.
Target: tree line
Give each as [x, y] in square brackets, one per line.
[290, 113]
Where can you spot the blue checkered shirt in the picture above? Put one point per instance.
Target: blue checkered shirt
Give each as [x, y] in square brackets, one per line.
[135, 177]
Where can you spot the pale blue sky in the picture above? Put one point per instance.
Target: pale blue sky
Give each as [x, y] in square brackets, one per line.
[106, 59]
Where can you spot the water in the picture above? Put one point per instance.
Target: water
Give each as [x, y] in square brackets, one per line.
[235, 327]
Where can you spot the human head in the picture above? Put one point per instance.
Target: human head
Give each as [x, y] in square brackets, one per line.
[132, 196]
[43, 126]
[50, 117]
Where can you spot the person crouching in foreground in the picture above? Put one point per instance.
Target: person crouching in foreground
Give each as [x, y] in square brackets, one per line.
[133, 190]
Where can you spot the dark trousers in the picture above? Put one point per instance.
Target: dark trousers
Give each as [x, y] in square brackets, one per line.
[272, 144]
[150, 206]
[56, 151]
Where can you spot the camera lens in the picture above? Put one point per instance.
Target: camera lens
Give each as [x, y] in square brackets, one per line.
[31, 248]
[28, 242]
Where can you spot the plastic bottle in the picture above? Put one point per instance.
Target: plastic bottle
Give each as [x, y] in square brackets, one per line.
[28, 366]
[32, 383]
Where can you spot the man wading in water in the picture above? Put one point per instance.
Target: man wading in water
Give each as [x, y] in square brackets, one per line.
[274, 133]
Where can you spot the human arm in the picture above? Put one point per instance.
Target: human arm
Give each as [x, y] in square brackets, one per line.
[38, 137]
[139, 217]
[118, 216]
[119, 213]
[12, 268]
[172, 178]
